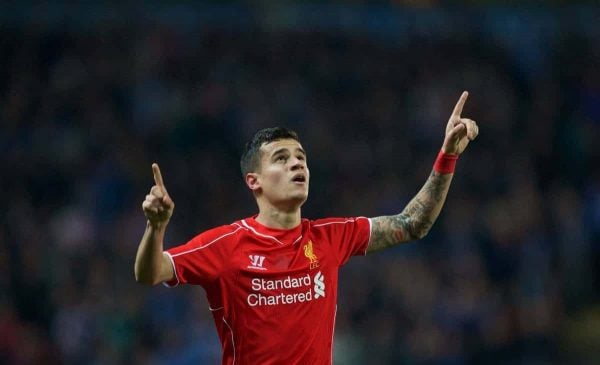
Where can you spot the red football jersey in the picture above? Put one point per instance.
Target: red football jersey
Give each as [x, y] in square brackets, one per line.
[272, 292]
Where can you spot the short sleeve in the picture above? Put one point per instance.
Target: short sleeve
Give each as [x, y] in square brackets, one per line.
[202, 259]
[348, 236]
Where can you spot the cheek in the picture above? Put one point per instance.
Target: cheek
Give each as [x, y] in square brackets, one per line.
[274, 177]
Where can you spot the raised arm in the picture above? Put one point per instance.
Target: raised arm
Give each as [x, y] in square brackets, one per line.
[415, 221]
[151, 265]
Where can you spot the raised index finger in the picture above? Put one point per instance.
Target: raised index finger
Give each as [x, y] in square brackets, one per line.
[459, 105]
[158, 177]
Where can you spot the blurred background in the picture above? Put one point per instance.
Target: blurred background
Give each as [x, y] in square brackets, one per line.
[93, 92]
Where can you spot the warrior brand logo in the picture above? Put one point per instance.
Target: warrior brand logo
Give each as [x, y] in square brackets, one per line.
[256, 262]
[290, 290]
[319, 285]
[310, 254]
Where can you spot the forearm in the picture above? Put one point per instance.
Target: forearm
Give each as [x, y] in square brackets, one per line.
[149, 259]
[417, 218]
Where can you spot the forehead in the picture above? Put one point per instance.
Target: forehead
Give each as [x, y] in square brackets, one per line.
[291, 145]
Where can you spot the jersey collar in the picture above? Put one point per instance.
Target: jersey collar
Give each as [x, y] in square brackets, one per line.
[281, 236]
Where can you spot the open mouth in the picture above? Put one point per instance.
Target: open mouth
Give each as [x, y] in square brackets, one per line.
[299, 179]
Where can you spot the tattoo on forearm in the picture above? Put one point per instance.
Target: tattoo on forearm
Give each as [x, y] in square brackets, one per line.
[417, 217]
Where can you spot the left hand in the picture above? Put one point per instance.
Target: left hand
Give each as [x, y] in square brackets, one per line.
[459, 131]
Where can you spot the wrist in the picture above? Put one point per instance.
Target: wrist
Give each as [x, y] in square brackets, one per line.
[449, 148]
[445, 163]
[156, 226]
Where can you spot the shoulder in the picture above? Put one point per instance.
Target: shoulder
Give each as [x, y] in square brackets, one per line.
[221, 233]
[336, 221]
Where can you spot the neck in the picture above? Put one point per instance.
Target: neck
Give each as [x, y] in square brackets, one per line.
[276, 218]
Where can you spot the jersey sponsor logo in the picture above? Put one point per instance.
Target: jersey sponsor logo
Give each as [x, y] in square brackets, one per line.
[290, 290]
[310, 255]
[256, 262]
[319, 285]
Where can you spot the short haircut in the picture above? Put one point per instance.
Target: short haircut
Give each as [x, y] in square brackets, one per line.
[250, 161]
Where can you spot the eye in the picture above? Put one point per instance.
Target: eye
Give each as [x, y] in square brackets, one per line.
[301, 157]
[280, 158]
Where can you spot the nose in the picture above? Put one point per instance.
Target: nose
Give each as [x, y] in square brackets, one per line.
[298, 164]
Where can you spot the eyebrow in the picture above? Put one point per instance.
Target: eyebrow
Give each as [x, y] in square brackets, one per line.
[284, 149]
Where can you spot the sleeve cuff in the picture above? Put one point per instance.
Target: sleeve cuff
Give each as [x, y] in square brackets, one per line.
[175, 281]
[369, 239]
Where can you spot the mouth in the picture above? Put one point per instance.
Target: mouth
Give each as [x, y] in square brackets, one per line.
[299, 179]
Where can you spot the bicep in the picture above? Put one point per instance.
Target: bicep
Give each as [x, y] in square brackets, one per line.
[387, 231]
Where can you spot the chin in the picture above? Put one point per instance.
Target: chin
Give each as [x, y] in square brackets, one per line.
[299, 198]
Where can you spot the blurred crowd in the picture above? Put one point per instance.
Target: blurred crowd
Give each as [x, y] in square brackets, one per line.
[508, 275]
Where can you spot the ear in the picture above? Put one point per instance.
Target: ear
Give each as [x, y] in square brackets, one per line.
[253, 181]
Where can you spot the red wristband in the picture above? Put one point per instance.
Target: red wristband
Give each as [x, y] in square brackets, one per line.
[445, 163]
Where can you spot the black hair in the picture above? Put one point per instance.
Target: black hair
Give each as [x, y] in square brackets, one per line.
[250, 160]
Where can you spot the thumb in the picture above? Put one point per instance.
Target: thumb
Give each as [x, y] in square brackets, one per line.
[458, 132]
[166, 199]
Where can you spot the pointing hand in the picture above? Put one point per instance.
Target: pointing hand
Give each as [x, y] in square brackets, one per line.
[158, 205]
[459, 131]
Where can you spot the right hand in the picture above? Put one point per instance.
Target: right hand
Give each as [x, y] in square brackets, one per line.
[158, 206]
